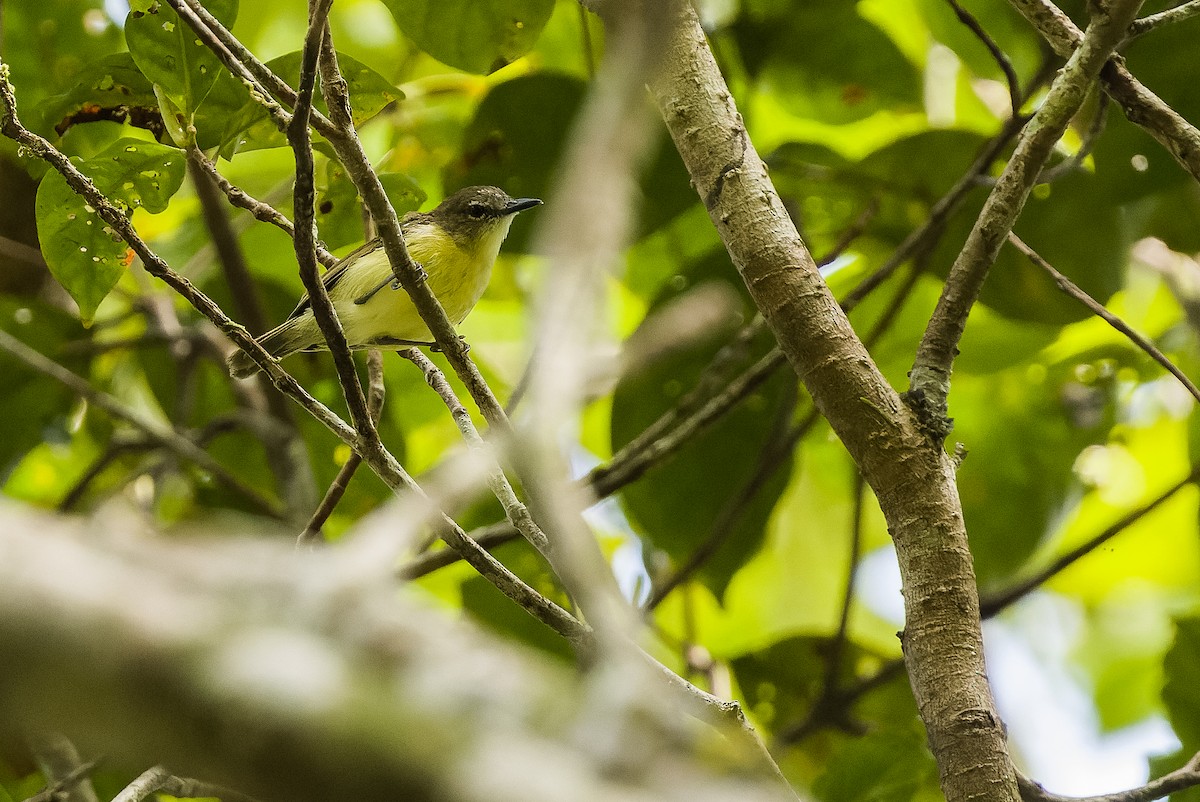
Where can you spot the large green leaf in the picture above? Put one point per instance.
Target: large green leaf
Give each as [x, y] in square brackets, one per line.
[675, 505]
[885, 766]
[169, 54]
[84, 253]
[111, 83]
[1181, 689]
[516, 141]
[249, 126]
[473, 35]
[824, 61]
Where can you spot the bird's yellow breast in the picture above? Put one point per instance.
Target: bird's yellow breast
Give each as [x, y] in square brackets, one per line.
[456, 275]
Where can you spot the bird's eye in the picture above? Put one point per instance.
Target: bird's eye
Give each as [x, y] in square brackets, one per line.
[476, 210]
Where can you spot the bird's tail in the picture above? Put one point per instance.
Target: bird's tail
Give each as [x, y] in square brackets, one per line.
[285, 339]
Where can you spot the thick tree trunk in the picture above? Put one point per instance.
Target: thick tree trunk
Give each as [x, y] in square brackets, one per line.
[912, 478]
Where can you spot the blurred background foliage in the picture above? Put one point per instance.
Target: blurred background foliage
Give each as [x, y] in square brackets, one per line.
[867, 112]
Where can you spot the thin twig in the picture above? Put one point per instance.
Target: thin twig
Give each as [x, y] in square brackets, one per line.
[145, 784]
[1072, 289]
[999, 56]
[516, 512]
[375, 395]
[930, 376]
[837, 647]
[262, 211]
[1171, 15]
[994, 603]
[1070, 165]
[779, 446]
[54, 791]
[1181, 779]
[115, 449]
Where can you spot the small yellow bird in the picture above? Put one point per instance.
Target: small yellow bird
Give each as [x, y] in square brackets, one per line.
[456, 244]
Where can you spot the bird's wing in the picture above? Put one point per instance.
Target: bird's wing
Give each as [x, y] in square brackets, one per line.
[333, 276]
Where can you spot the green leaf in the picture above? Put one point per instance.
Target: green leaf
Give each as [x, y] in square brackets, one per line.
[675, 504]
[824, 61]
[84, 254]
[31, 401]
[1181, 690]
[250, 127]
[886, 766]
[516, 141]
[472, 35]
[169, 53]
[339, 213]
[113, 82]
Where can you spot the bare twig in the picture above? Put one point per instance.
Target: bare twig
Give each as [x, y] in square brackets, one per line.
[930, 377]
[1172, 15]
[115, 450]
[1142, 107]
[1181, 779]
[375, 395]
[67, 774]
[996, 602]
[999, 56]
[516, 512]
[1072, 289]
[263, 212]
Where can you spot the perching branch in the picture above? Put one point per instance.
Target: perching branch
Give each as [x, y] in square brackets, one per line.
[930, 378]
[305, 240]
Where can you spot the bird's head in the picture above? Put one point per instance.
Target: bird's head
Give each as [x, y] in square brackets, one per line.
[479, 216]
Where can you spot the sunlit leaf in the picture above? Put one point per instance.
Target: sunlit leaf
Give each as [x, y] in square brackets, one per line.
[473, 36]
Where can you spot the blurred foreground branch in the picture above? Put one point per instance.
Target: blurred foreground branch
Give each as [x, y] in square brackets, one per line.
[294, 676]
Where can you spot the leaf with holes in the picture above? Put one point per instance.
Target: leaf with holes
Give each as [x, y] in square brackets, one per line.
[84, 253]
[168, 52]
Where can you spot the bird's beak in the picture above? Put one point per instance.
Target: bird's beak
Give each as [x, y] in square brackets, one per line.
[521, 204]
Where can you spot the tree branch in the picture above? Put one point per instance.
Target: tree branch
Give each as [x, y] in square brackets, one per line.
[1179, 13]
[1142, 107]
[1072, 289]
[930, 377]
[1181, 779]
[913, 482]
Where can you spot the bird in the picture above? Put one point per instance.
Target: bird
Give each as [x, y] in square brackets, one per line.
[456, 245]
